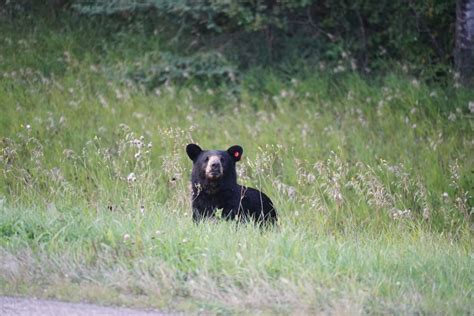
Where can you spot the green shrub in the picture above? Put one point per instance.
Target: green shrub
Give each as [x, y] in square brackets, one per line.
[363, 32]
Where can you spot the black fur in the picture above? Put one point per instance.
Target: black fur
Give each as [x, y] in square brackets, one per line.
[236, 201]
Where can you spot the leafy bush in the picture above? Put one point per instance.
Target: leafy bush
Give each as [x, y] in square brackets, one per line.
[367, 32]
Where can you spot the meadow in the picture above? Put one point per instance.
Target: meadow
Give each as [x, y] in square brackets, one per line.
[371, 176]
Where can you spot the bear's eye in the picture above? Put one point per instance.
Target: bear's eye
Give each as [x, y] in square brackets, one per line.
[222, 160]
[207, 159]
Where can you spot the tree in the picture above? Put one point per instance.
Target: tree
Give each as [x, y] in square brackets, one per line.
[464, 50]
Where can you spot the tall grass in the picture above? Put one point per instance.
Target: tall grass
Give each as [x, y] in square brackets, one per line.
[371, 179]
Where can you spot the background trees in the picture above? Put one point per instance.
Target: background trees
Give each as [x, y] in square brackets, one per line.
[363, 34]
[464, 54]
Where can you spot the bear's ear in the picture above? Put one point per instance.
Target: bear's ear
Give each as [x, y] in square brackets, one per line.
[193, 151]
[235, 152]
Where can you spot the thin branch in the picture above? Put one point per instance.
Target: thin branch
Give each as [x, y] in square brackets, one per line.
[331, 37]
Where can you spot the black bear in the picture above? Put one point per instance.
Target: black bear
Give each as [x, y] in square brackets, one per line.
[214, 183]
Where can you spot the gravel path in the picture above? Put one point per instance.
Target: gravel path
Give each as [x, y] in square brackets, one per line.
[31, 306]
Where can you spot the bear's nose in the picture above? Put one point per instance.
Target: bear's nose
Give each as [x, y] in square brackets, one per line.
[215, 165]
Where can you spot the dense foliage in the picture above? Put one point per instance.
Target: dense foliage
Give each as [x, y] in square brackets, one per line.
[362, 34]
[371, 31]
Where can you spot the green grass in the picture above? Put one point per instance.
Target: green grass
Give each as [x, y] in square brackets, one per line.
[372, 179]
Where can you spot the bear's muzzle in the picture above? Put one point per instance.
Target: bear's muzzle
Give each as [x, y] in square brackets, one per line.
[214, 168]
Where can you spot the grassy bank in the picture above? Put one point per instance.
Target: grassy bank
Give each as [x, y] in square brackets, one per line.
[371, 178]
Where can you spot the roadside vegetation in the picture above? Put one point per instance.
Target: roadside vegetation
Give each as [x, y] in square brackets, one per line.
[371, 176]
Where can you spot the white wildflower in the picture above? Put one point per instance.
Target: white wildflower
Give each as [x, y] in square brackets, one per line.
[426, 213]
[401, 214]
[118, 94]
[103, 101]
[69, 153]
[339, 69]
[137, 143]
[353, 64]
[131, 177]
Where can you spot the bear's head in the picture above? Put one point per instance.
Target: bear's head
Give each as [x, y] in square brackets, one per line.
[214, 165]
